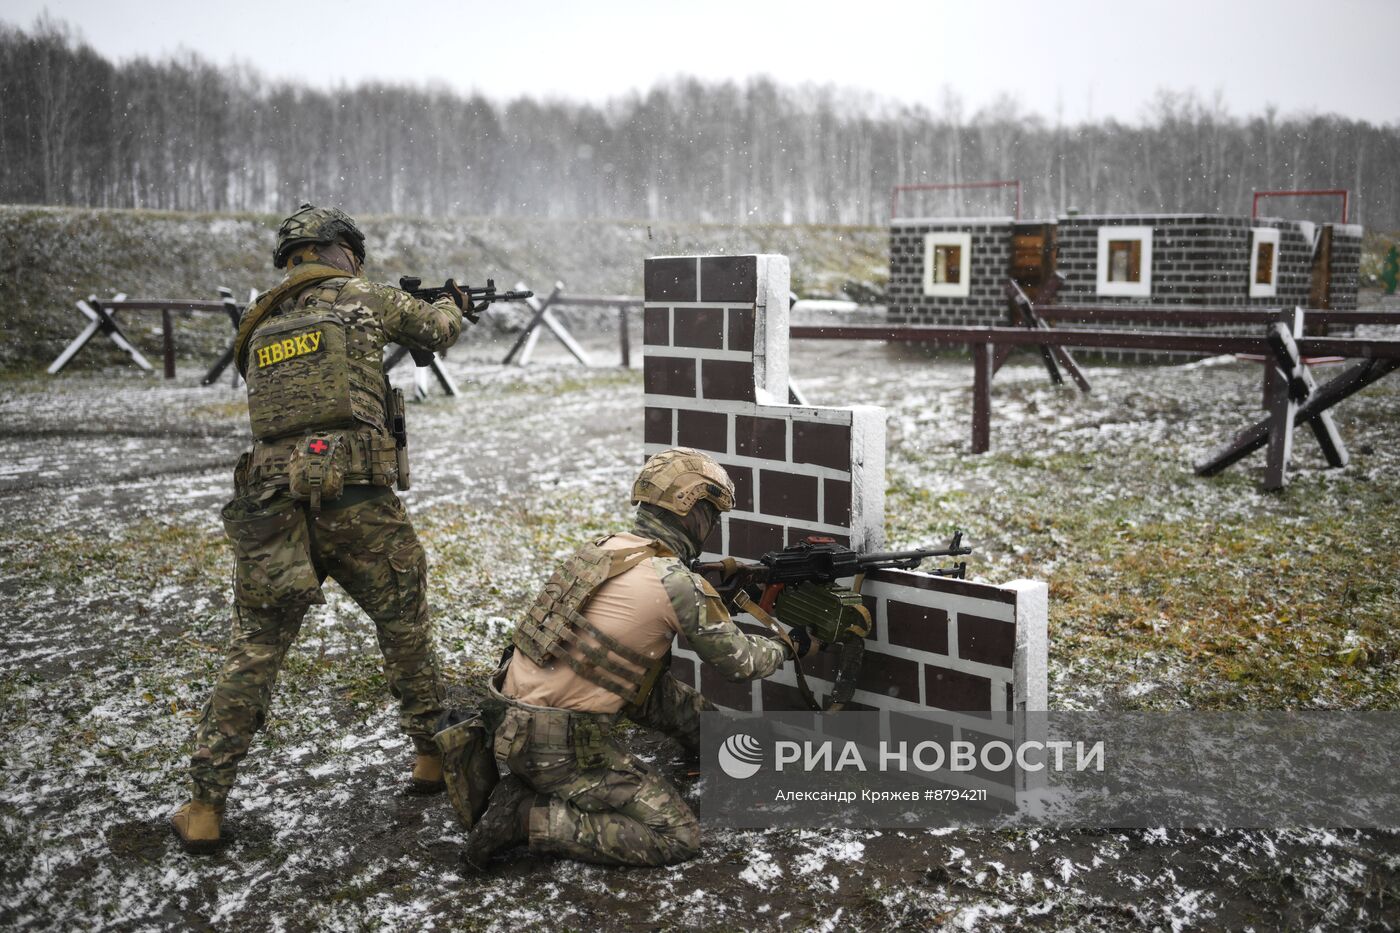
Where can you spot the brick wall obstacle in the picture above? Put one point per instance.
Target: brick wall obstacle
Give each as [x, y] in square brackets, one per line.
[716, 371]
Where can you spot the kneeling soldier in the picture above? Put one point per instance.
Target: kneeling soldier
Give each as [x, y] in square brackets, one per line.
[595, 647]
[313, 498]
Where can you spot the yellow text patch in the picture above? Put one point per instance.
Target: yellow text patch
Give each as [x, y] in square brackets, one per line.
[289, 348]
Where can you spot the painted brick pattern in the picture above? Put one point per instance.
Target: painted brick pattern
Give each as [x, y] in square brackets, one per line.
[801, 470]
[1197, 259]
[1346, 267]
[715, 366]
[991, 259]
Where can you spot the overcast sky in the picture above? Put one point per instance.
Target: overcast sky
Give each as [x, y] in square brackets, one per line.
[1088, 57]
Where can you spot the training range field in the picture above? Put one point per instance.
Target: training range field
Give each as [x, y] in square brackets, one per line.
[1166, 591]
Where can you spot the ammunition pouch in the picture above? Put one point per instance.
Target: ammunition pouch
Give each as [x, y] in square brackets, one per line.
[272, 554]
[590, 742]
[360, 459]
[468, 764]
[587, 735]
[832, 613]
[317, 468]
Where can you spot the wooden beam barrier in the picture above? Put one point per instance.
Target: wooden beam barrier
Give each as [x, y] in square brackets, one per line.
[1208, 315]
[624, 340]
[1019, 308]
[623, 304]
[1022, 307]
[235, 314]
[101, 314]
[987, 344]
[420, 376]
[1347, 383]
[100, 321]
[981, 396]
[1299, 383]
[1206, 344]
[524, 345]
[167, 339]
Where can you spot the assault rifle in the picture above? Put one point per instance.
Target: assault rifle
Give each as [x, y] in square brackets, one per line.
[471, 300]
[798, 586]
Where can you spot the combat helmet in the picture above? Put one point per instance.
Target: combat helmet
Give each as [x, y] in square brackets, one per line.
[311, 224]
[678, 478]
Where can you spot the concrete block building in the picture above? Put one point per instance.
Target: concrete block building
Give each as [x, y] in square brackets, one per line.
[950, 271]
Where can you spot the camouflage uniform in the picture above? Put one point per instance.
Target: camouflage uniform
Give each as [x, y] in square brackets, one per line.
[285, 548]
[600, 803]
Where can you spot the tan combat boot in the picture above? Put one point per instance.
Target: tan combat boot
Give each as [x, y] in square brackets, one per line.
[197, 826]
[427, 776]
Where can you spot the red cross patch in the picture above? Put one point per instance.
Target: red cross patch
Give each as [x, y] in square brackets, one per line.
[318, 446]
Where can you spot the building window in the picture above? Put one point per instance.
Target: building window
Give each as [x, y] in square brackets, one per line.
[1125, 261]
[947, 264]
[1263, 263]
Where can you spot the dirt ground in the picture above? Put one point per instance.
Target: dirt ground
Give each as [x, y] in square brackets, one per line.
[1167, 592]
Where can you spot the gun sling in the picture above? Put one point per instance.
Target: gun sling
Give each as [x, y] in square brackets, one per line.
[302, 278]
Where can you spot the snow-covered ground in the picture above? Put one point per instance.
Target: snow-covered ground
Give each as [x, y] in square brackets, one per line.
[114, 605]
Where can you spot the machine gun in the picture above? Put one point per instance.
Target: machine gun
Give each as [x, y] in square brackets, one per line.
[799, 586]
[799, 582]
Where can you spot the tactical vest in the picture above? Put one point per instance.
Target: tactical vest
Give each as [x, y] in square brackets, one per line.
[554, 627]
[309, 369]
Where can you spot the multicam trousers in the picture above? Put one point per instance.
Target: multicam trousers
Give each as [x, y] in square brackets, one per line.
[283, 554]
[604, 804]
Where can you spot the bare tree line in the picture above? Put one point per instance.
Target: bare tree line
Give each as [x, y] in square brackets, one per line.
[183, 134]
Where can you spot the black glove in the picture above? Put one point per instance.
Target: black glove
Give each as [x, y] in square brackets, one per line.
[801, 640]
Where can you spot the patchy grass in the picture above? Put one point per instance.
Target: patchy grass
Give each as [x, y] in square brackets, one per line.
[1292, 607]
[1167, 591]
[52, 257]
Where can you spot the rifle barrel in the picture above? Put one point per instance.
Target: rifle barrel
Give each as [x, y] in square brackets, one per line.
[884, 557]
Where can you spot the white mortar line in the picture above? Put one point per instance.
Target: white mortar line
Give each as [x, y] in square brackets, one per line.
[699, 353]
[800, 414]
[953, 603]
[797, 469]
[703, 305]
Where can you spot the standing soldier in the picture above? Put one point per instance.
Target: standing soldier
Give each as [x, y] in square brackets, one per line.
[593, 648]
[313, 497]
